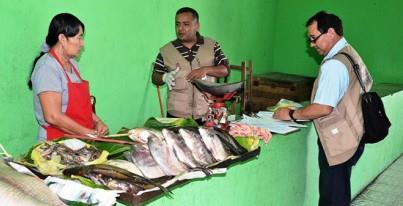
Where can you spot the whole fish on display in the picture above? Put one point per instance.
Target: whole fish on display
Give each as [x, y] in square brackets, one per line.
[21, 189]
[142, 158]
[199, 151]
[229, 142]
[165, 157]
[114, 178]
[182, 152]
[214, 144]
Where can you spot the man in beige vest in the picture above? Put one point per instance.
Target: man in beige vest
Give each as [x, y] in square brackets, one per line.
[190, 56]
[335, 108]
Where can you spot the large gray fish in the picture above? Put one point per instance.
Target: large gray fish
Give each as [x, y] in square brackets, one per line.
[114, 178]
[196, 145]
[142, 158]
[142, 134]
[182, 152]
[21, 189]
[229, 142]
[165, 156]
[213, 144]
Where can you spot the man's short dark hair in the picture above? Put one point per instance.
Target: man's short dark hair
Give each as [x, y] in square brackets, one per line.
[325, 21]
[190, 10]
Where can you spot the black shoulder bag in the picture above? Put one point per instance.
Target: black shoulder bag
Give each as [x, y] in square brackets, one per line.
[376, 123]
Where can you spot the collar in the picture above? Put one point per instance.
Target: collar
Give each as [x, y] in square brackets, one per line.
[199, 40]
[335, 49]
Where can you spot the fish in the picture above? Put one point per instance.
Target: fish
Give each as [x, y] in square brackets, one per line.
[196, 145]
[67, 155]
[165, 156]
[21, 189]
[214, 144]
[182, 152]
[114, 178]
[142, 134]
[229, 142]
[142, 158]
[124, 164]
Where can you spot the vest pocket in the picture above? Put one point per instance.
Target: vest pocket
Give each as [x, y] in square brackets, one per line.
[181, 84]
[339, 138]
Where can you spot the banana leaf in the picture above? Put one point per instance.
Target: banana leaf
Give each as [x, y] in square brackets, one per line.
[250, 143]
[284, 103]
[87, 182]
[160, 123]
[116, 151]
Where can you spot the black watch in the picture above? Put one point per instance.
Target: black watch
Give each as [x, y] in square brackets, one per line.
[291, 114]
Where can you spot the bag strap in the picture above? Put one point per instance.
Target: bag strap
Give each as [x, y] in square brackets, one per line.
[356, 69]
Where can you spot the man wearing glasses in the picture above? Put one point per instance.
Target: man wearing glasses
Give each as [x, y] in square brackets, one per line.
[335, 108]
[190, 56]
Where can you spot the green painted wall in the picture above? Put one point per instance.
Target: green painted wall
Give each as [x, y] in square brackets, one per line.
[371, 26]
[122, 39]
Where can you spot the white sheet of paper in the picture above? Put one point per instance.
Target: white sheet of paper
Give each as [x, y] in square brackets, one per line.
[265, 120]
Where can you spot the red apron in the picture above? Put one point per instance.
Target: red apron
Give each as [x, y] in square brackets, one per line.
[78, 104]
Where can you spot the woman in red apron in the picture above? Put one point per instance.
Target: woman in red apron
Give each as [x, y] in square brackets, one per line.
[63, 43]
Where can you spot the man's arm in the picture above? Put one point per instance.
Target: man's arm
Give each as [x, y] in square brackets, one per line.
[159, 70]
[215, 71]
[333, 83]
[220, 68]
[312, 111]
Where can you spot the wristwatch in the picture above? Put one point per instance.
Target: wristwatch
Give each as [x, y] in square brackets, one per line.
[291, 113]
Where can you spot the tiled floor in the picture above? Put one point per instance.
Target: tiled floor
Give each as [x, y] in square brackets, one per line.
[386, 190]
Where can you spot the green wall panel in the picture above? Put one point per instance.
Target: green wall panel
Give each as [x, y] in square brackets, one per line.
[372, 27]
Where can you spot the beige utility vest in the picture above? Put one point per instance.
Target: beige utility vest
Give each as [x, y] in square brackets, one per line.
[340, 132]
[185, 100]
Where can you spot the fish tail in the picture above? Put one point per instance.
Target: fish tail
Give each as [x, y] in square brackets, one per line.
[208, 172]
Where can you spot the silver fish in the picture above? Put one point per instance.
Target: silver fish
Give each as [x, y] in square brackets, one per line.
[20, 189]
[142, 134]
[182, 152]
[114, 178]
[196, 145]
[229, 142]
[142, 158]
[213, 144]
[165, 156]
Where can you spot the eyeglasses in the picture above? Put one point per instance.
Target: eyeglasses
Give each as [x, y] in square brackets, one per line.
[314, 39]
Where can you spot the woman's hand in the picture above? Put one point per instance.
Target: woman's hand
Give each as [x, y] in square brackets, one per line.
[100, 128]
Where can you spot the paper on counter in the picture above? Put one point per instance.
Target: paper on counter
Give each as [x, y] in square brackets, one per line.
[265, 120]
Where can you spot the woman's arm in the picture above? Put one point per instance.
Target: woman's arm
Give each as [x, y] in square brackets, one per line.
[100, 126]
[52, 112]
